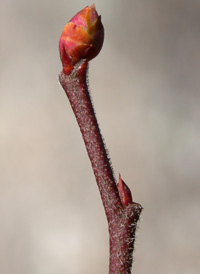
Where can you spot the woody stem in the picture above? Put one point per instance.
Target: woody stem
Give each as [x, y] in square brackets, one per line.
[121, 220]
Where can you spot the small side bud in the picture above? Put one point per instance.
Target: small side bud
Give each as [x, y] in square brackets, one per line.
[82, 38]
[124, 192]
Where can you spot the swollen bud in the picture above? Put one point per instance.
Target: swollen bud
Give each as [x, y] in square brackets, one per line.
[124, 192]
[82, 38]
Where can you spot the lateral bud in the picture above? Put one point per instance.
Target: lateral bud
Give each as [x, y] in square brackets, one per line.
[124, 192]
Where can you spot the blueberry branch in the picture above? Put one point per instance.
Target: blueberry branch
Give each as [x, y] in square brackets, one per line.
[121, 212]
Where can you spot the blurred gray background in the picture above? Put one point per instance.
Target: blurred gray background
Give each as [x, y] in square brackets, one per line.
[145, 86]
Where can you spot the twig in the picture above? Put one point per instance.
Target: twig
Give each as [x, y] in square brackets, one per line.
[122, 214]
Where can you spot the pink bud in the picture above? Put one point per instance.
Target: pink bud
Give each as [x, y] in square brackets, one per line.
[82, 38]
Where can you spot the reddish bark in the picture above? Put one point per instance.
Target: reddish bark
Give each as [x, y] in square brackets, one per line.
[122, 214]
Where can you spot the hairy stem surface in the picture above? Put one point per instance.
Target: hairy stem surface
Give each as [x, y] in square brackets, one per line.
[121, 219]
